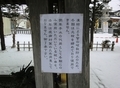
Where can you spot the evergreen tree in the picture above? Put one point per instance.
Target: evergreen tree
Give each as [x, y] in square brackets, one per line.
[10, 11]
[13, 11]
[95, 13]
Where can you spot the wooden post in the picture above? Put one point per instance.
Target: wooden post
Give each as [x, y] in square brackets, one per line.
[112, 47]
[24, 46]
[18, 46]
[91, 46]
[37, 7]
[96, 46]
[102, 47]
[107, 47]
[80, 80]
[28, 46]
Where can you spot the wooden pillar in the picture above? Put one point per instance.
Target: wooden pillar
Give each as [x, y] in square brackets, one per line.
[2, 32]
[50, 5]
[81, 80]
[37, 7]
[61, 6]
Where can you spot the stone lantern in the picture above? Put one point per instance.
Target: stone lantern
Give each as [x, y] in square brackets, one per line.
[105, 16]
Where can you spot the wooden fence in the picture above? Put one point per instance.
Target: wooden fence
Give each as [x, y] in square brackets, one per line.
[24, 46]
[22, 31]
[101, 46]
[96, 46]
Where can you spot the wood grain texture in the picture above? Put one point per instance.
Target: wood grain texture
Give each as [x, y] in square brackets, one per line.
[37, 7]
[81, 80]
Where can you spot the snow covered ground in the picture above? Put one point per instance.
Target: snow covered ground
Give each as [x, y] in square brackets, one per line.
[104, 65]
[12, 60]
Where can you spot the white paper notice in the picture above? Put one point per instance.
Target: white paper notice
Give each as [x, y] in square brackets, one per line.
[61, 43]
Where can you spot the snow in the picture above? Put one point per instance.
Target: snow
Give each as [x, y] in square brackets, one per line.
[115, 4]
[12, 60]
[115, 17]
[104, 65]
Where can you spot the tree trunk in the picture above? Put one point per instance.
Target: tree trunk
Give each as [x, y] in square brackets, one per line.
[2, 32]
[81, 80]
[92, 26]
[37, 7]
[14, 33]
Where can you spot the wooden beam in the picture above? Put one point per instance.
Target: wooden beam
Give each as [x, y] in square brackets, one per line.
[80, 80]
[2, 1]
[13, 1]
[37, 7]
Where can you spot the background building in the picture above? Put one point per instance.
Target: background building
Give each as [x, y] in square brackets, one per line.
[7, 25]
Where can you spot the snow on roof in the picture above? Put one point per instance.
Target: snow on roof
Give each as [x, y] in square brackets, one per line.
[115, 17]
